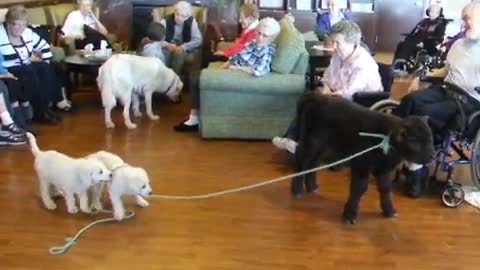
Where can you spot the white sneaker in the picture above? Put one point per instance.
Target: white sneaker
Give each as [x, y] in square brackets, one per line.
[285, 144]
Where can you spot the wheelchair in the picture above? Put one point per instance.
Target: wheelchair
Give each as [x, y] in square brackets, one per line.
[457, 146]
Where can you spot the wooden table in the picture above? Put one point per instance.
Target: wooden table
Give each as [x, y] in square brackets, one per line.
[77, 64]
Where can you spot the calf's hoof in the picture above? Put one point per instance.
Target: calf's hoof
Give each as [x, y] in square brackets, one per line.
[390, 214]
[349, 218]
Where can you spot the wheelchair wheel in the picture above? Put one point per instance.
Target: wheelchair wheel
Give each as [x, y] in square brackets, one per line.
[385, 106]
[453, 196]
[475, 160]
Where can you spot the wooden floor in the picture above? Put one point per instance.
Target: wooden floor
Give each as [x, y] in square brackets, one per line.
[259, 229]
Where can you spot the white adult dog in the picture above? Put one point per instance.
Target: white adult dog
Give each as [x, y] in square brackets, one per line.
[68, 175]
[127, 77]
[126, 180]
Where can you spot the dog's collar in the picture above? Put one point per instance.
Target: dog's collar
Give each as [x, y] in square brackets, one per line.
[119, 167]
[171, 86]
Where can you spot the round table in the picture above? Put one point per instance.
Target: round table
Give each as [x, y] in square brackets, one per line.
[77, 64]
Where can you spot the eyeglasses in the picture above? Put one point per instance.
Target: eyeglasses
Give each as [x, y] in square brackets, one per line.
[18, 24]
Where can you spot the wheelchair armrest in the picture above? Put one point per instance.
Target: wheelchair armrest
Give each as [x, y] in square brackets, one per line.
[367, 99]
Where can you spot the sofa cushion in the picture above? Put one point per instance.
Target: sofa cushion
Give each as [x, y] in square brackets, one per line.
[290, 44]
[217, 79]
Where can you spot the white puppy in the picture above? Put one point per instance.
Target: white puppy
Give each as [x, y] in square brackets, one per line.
[127, 77]
[126, 180]
[68, 175]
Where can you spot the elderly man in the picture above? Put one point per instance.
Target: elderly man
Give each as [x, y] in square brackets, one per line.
[325, 20]
[352, 69]
[438, 102]
[82, 26]
[182, 35]
[254, 59]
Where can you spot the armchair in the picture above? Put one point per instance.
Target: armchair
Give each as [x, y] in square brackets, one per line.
[234, 104]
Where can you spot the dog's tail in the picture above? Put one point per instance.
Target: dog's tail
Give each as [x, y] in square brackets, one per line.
[105, 82]
[33, 144]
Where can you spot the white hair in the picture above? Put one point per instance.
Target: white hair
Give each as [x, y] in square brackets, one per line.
[269, 26]
[79, 1]
[184, 7]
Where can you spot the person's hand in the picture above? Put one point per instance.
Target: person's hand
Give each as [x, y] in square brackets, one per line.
[8, 75]
[219, 53]
[174, 48]
[414, 85]
[226, 65]
[36, 57]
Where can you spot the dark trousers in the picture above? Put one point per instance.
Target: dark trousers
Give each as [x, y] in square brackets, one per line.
[438, 103]
[16, 92]
[408, 47]
[91, 36]
[39, 81]
[213, 58]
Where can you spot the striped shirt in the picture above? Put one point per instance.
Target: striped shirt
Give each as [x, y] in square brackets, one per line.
[17, 55]
[259, 58]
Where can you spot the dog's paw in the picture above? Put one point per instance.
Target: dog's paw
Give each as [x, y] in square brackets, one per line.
[51, 206]
[97, 206]
[119, 216]
[154, 117]
[110, 125]
[73, 210]
[131, 126]
[142, 203]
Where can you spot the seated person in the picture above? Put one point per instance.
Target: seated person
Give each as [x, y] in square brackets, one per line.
[428, 33]
[84, 27]
[325, 20]
[352, 69]
[438, 102]
[153, 45]
[182, 35]
[27, 57]
[248, 19]
[466, 15]
[254, 59]
[10, 132]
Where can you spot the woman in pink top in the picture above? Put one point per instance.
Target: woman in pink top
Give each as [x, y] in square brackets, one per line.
[352, 69]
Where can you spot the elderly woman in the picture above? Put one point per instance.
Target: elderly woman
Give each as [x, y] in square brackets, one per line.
[182, 35]
[352, 69]
[325, 20]
[248, 19]
[254, 59]
[440, 101]
[428, 33]
[26, 57]
[82, 26]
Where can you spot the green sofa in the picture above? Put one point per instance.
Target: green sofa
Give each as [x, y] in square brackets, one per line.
[237, 105]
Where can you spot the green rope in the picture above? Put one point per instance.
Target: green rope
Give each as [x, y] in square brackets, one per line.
[384, 145]
[71, 241]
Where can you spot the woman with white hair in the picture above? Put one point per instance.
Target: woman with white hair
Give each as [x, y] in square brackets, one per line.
[182, 35]
[254, 59]
[428, 32]
[352, 69]
[84, 27]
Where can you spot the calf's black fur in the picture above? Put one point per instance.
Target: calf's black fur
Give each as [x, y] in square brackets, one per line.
[329, 130]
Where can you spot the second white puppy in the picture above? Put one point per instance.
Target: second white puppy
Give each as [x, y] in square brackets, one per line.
[68, 175]
[126, 180]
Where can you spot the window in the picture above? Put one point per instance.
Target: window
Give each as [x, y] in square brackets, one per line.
[272, 4]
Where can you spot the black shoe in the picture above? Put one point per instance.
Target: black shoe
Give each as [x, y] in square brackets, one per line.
[185, 128]
[416, 182]
[7, 138]
[45, 119]
[53, 115]
[12, 128]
